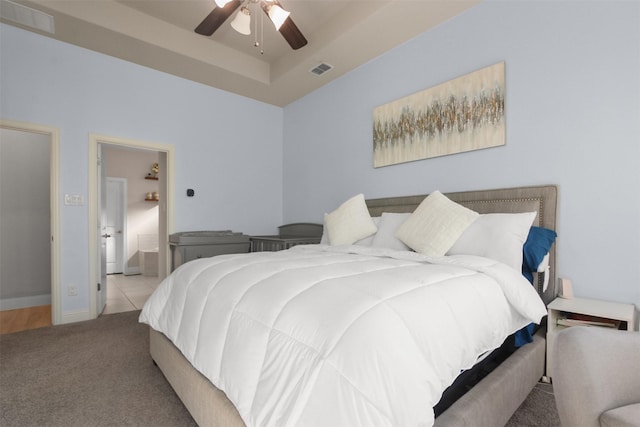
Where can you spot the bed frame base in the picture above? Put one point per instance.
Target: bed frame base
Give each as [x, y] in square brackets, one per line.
[493, 400]
[207, 405]
[489, 404]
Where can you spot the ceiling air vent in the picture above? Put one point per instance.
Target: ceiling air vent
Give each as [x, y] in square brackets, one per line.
[321, 68]
[26, 16]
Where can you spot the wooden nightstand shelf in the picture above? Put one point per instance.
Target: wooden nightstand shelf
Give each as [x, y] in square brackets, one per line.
[623, 315]
[289, 235]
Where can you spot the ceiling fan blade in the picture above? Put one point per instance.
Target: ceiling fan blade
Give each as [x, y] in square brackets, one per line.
[292, 34]
[288, 29]
[217, 17]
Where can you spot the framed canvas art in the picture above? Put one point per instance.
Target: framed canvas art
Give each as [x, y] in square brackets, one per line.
[463, 114]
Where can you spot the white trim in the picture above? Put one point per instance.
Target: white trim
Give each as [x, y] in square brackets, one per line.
[75, 316]
[94, 140]
[132, 271]
[54, 197]
[24, 302]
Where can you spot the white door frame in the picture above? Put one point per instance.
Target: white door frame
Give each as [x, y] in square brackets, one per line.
[54, 203]
[101, 279]
[167, 196]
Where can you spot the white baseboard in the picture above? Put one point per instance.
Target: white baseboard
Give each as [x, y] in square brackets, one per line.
[75, 316]
[24, 302]
[132, 271]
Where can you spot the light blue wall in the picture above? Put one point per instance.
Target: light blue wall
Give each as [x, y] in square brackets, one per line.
[573, 119]
[572, 114]
[223, 142]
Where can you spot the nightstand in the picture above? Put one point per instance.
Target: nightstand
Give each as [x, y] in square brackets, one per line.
[289, 235]
[561, 309]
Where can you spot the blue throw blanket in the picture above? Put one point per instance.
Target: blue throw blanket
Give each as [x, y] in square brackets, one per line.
[537, 245]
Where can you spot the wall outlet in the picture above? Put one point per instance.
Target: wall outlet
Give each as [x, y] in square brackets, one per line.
[72, 290]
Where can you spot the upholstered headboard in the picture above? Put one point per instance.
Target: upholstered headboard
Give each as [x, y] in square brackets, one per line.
[541, 199]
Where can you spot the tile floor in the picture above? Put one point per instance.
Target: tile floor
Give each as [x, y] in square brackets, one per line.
[128, 293]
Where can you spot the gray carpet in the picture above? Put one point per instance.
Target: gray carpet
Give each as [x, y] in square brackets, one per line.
[99, 373]
[95, 373]
[538, 410]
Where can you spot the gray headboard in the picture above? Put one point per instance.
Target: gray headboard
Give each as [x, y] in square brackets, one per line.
[541, 199]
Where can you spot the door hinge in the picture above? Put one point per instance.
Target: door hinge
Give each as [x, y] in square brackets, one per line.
[98, 287]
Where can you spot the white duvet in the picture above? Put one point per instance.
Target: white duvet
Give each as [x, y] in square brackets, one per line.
[338, 336]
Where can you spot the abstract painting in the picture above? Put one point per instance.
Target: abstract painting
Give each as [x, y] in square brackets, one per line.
[463, 114]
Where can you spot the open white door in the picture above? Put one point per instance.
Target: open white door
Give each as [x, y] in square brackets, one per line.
[115, 224]
[101, 295]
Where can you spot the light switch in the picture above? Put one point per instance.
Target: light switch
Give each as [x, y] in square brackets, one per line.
[73, 200]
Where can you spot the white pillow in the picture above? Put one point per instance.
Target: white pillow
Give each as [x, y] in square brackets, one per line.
[350, 222]
[324, 240]
[367, 241]
[387, 227]
[497, 236]
[435, 225]
[362, 242]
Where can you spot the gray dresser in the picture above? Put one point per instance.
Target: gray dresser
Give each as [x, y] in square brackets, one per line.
[189, 245]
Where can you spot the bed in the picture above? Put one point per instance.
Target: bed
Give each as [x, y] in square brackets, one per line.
[490, 402]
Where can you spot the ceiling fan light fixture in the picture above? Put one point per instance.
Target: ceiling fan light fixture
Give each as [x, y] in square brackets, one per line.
[278, 15]
[242, 21]
[222, 3]
[272, 8]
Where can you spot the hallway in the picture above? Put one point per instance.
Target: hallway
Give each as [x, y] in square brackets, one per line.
[128, 293]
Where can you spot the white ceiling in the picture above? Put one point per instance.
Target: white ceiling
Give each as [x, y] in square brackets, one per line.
[160, 34]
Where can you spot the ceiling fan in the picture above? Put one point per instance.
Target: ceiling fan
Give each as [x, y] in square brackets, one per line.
[274, 10]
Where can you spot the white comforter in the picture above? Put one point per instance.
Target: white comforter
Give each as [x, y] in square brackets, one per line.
[338, 336]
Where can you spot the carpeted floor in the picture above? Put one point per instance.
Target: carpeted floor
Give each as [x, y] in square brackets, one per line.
[95, 373]
[99, 373]
[538, 410]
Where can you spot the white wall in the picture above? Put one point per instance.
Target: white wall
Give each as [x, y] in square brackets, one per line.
[222, 141]
[572, 103]
[572, 115]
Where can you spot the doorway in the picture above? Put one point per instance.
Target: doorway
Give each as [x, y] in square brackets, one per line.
[50, 137]
[98, 233]
[130, 224]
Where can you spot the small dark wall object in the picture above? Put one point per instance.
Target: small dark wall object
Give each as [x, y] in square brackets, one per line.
[190, 192]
